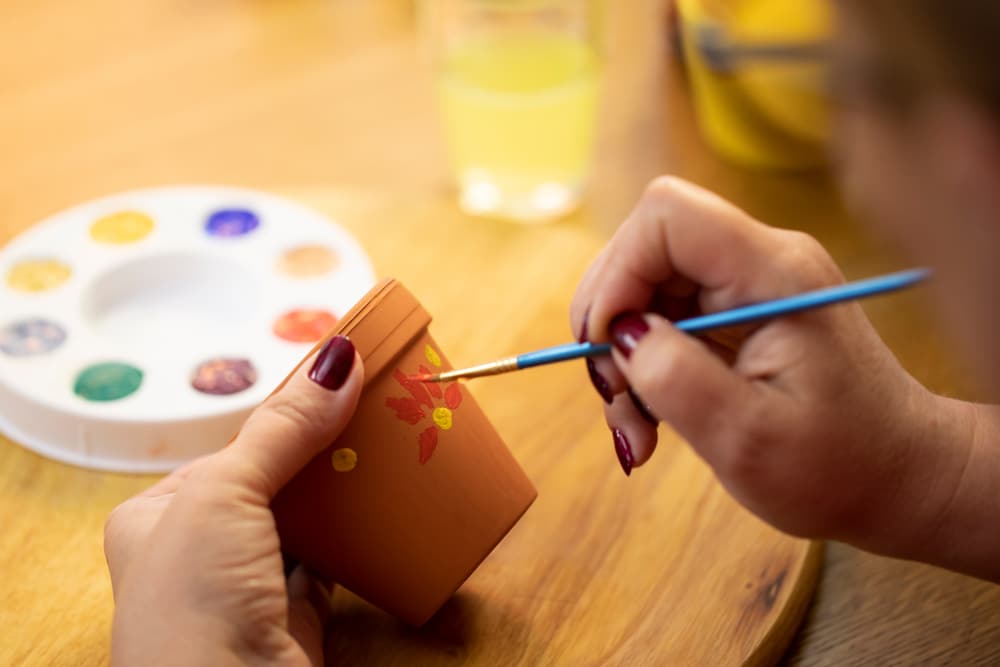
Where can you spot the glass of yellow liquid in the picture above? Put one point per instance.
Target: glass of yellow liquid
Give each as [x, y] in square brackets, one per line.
[518, 87]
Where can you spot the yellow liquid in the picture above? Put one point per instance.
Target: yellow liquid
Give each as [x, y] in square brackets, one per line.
[519, 119]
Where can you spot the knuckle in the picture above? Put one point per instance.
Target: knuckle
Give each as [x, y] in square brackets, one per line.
[662, 188]
[805, 258]
[293, 413]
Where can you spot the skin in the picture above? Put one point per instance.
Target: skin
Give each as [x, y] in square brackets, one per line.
[195, 560]
[809, 421]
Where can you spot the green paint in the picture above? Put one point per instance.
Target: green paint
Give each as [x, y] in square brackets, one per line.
[107, 382]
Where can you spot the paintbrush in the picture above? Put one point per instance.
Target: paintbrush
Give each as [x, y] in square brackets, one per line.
[827, 296]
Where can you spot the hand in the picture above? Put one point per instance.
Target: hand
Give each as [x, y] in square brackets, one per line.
[807, 420]
[195, 560]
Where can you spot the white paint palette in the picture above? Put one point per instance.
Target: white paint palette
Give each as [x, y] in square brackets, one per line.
[139, 330]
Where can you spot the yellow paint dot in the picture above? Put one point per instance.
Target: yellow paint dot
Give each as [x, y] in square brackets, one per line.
[432, 355]
[344, 459]
[442, 417]
[122, 227]
[38, 275]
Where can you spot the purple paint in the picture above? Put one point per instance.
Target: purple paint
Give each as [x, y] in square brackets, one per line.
[230, 222]
[30, 337]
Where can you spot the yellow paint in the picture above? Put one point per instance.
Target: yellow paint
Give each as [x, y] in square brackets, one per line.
[38, 275]
[432, 355]
[122, 227]
[442, 417]
[344, 459]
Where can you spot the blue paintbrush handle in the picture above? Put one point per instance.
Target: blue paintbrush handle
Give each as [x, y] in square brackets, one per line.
[745, 314]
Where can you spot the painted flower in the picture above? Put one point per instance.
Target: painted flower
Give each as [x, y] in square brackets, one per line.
[426, 401]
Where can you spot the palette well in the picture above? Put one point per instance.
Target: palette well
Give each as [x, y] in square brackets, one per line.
[138, 331]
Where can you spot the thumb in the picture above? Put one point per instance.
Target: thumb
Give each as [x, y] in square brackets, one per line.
[296, 422]
[681, 380]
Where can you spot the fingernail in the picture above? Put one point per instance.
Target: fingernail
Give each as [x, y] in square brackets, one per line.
[626, 331]
[333, 363]
[600, 384]
[641, 408]
[623, 450]
[582, 338]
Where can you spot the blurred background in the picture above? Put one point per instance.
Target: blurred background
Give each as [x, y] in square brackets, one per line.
[392, 105]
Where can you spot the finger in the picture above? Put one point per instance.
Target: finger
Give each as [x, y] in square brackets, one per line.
[308, 613]
[678, 229]
[686, 384]
[633, 435]
[295, 423]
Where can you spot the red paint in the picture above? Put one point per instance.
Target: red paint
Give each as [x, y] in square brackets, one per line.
[304, 325]
[416, 388]
[432, 387]
[411, 409]
[453, 395]
[428, 443]
[406, 409]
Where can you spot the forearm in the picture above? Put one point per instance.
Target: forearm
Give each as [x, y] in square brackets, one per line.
[947, 509]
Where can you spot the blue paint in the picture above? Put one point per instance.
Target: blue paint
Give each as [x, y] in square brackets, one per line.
[230, 222]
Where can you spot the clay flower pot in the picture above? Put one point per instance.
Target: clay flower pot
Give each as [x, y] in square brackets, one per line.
[418, 489]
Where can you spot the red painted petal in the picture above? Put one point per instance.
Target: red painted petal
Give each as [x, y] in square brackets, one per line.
[428, 442]
[433, 388]
[416, 388]
[406, 409]
[453, 395]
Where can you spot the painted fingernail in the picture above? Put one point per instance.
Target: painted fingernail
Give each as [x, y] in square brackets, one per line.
[641, 408]
[333, 363]
[582, 338]
[623, 450]
[626, 331]
[600, 384]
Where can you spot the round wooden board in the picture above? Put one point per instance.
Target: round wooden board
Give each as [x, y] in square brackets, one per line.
[659, 568]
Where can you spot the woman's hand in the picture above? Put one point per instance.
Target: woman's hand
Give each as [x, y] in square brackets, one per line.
[807, 420]
[195, 560]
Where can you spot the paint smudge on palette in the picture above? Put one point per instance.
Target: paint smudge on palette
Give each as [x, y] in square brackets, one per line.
[232, 222]
[122, 227]
[304, 325]
[38, 275]
[108, 381]
[308, 261]
[223, 377]
[30, 337]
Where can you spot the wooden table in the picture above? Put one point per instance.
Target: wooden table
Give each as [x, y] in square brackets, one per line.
[323, 100]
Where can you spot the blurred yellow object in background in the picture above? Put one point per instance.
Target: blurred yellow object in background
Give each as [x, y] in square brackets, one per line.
[757, 73]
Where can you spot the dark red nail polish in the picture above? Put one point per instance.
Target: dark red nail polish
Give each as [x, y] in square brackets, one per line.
[641, 408]
[333, 363]
[599, 382]
[623, 450]
[627, 330]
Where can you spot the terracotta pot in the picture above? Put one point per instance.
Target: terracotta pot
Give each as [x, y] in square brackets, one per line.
[419, 489]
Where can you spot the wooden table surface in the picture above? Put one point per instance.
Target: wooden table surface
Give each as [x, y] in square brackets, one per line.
[326, 100]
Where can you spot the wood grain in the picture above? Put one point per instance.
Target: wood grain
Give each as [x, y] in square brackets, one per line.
[328, 101]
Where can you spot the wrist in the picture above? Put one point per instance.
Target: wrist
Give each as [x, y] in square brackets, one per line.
[945, 496]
